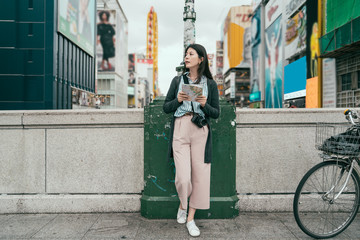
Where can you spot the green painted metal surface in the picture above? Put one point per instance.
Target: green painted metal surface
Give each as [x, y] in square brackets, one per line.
[339, 12]
[159, 199]
[343, 36]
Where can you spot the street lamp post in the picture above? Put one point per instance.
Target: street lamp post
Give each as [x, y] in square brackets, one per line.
[189, 17]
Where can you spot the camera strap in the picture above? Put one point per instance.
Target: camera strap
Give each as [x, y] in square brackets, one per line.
[186, 81]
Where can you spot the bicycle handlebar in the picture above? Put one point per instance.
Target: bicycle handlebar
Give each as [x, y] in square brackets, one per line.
[351, 115]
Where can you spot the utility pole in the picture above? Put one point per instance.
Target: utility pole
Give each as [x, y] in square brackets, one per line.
[189, 17]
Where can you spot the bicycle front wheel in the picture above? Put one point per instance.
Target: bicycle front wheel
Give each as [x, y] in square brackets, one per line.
[318, 209]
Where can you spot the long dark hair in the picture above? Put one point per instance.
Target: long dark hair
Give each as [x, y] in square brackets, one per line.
[204, 65]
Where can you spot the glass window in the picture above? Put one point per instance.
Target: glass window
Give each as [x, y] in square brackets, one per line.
[346, 82]
[99, 84]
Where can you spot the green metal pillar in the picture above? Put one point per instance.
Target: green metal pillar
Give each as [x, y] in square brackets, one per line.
[159, 199]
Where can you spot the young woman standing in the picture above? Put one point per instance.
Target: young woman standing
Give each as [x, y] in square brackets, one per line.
[190, 135]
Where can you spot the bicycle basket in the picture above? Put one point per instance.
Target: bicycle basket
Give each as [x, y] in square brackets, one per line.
[339, 139]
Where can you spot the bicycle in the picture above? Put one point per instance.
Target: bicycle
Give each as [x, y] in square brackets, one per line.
[327, 198]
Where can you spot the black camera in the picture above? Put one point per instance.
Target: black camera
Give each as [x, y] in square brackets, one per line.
[199, 120]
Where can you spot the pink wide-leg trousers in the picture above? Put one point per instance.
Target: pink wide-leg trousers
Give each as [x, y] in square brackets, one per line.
[192, 178]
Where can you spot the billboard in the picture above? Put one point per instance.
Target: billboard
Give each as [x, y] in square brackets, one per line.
[312, 93]
[329, 83]
[273, 65]
[255, 4]
[76, 21]
[293, 6]
[295, 36]
[237, 38]
[312, 39]
[295, 79]
[105, 40]
[255, 53]
[273, 10]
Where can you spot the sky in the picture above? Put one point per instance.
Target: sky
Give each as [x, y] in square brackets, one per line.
[210, 15]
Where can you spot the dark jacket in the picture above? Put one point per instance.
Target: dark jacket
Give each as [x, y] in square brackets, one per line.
[211, 110]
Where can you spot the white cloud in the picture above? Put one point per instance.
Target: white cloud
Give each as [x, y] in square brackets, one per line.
[210, 16]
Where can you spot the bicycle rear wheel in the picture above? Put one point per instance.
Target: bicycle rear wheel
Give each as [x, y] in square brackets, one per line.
[316, 210]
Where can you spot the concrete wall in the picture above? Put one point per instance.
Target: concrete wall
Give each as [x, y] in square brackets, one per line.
[92, 160]
[274, 149]
[71, 161]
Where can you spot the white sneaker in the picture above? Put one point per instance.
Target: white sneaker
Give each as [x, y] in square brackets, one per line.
[181, 216]
[193, 229]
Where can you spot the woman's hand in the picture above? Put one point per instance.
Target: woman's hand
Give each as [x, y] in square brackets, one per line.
[182, 97]
[201, 99]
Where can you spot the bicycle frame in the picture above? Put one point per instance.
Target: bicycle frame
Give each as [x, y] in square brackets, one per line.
[352, 168]
[337, 181]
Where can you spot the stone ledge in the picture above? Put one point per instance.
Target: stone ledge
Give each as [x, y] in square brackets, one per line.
[83, 117]
[122, 203]
[69, 203]
[265, 203]
[289, 116]
[11, 118]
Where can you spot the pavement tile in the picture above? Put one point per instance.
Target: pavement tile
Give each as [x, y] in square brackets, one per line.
[289, 221]
[67, 226]
[214, 228]
[5, 217]
[262, 226]
[248, 226]
[24, 226]
[353, 231]
[162, 229]
[115, 226]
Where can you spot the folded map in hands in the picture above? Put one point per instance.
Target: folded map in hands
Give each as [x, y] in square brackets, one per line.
[192, 90]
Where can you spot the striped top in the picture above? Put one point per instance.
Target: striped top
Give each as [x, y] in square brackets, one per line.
[186, 106]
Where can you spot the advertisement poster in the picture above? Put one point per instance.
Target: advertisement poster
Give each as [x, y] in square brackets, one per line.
[329, 83]
[273, 10]
[255, 52]
[295, 79]
[273, 65]
[292, 6]
[105, 40]
[295, 36]
[312, 39]
[237, 38]
[255, 4]
[76, 20]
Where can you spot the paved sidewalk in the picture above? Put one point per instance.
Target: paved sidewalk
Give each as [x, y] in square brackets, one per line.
[134, 226]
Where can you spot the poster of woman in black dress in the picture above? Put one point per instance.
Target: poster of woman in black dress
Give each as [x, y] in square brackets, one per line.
[106, 38]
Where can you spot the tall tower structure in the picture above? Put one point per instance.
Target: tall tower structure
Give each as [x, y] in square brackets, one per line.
[152, 47]
[189, 17]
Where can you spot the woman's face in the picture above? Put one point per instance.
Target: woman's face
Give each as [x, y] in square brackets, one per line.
[192, 58]
[104, 17]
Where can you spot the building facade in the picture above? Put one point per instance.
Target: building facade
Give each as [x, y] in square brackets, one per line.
[47, 52]
[236, 59]
[285, 69]
[140, 85]
[112, 55]
[340, 53]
